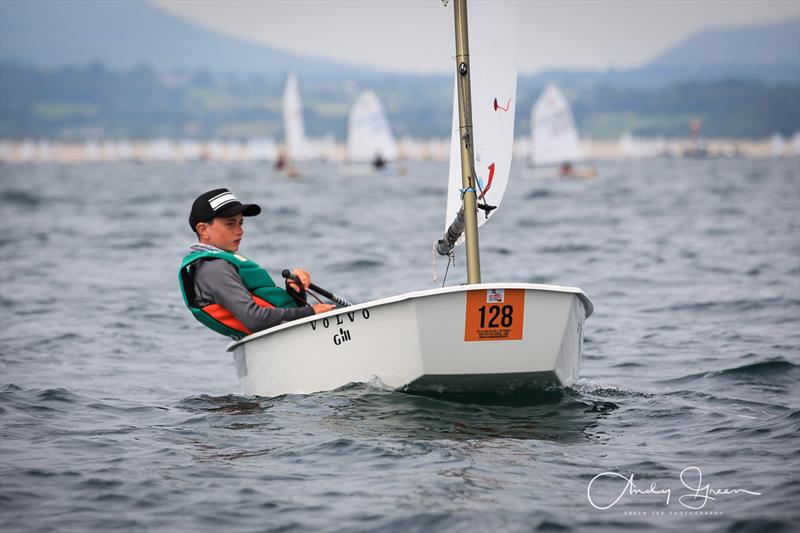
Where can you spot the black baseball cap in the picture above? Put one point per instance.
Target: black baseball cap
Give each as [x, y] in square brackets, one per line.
[219, 203]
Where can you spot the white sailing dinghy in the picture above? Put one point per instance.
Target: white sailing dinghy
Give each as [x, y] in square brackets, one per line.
[554, 138]
[479, 337]
[369, 136]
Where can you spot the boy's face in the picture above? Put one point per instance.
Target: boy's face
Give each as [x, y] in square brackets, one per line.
[224, 233]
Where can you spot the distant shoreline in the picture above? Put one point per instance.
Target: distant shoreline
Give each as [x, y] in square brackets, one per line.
[410, 150]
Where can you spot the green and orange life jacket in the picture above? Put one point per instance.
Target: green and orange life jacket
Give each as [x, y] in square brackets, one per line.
[255, 279]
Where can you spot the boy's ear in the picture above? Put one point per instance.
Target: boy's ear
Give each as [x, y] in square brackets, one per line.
[202, 229]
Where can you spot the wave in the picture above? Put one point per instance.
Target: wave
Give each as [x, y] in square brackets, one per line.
[231, 404]
[20, 198]
[283, 211]
[355, 265]
[758, 525]
[567, 249]
[58, 394]
[729, 305]
[437, 192]
[36, 397]
[540, 193]
[498, 250]
[586, 386]
[60, 399]
[363, 409]
[765, 369]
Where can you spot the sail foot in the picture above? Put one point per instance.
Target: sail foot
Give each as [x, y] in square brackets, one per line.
[446, 244]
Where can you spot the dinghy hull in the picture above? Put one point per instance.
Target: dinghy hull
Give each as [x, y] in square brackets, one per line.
[487, 337]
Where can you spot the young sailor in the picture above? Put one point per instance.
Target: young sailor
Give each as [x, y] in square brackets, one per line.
[224, 290]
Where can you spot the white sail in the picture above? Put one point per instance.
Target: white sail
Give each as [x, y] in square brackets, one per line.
[493, 77]
[293, 128]
[368, 132]
[554, 138]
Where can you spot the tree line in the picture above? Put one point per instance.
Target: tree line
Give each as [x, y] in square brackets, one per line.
[94, 102]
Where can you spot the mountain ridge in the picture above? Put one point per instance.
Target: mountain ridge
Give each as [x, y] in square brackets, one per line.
[761, 44]
[127, 33]
[124, 34]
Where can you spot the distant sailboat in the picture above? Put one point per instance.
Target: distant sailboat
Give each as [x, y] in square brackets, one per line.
[296, 146]
[697, 147]
[369, 136]
[555, 145]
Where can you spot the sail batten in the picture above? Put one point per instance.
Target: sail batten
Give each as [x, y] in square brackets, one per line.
[493, 80]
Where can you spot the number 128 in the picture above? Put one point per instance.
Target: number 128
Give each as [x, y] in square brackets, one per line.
[505, 314]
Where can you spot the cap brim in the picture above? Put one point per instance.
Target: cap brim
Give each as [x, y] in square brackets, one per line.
[247, 210]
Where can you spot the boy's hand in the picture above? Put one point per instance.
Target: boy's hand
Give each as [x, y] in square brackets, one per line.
[303, 276]
[322, 308]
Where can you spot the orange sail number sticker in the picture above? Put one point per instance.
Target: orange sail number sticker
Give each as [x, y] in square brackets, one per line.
[494, 315]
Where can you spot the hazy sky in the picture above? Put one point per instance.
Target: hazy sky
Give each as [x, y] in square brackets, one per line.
[408, 35]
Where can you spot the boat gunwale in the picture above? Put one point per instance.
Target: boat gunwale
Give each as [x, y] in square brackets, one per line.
[587, 304]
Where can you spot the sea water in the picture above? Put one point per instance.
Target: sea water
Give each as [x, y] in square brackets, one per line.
[119, 412]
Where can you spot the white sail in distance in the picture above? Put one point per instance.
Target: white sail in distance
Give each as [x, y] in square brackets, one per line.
[368, 132]
[492, 31]
[554, 137]
[293, 127]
